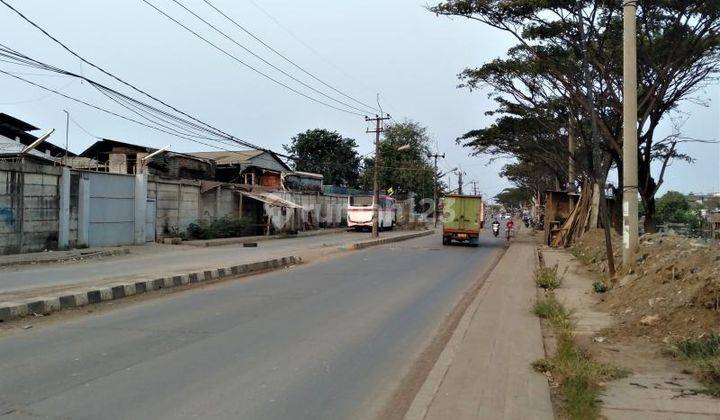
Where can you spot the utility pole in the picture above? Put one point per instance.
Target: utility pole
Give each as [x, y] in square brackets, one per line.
[435, 185]
[67, 135]
[376, 186]
[475, 190]
[460, 183]
[630, 173]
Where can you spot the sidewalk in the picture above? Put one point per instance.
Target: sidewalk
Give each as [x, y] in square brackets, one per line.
[657, 389]
[484, 371]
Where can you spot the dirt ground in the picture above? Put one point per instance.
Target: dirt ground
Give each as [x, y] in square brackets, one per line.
[671, 293]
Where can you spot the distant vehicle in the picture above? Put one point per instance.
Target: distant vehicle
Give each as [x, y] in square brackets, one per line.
[463, 218]
[496, 228]
[360, 212]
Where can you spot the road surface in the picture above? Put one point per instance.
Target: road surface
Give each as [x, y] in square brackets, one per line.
[329, 340]
[162, 263]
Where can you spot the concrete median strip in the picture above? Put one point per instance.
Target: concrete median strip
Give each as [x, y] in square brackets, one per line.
[77, 298]
[389, 239]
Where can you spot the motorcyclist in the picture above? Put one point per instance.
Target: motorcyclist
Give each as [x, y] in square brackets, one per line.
[509, 228]
[509, 225]
[496, 227]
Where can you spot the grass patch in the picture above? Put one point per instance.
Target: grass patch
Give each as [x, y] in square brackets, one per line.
[552, 310]
[547, 277]
[578, 376]
[704, 354]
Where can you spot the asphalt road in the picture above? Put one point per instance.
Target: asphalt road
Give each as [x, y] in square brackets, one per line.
[160, 263]
[329, 340]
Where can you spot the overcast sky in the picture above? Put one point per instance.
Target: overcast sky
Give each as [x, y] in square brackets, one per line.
[395, 48]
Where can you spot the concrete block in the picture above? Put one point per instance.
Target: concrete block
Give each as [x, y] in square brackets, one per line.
[100, 294]
[181, 280]
[210, 274]
[123, 290]
[12, 310]
[118, 291]
[73, 299]
[143, 286]
[43, 305]
[239, 269]
[157, 284]
[222, 272]
[168, 282]
[195, 277]
[256, 266]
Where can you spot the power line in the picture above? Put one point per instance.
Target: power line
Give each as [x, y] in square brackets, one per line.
[233, 57]
[83, 128]
[15, 55]
[305, 44]
[107, 111]
[133, 87]
[285, 57]
[265, 61]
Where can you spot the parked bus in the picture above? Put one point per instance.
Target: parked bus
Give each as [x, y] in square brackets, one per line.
[360, 212]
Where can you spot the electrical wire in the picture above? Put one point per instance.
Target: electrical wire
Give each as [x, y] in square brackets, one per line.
[216, 29]
[83, 128]
[305, 44]
[231, 56]
[108, 111]
[234, 22]
[15, 55]
[133, 87]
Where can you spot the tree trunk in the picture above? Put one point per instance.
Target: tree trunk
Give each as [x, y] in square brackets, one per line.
[650, 223]
[618, 194]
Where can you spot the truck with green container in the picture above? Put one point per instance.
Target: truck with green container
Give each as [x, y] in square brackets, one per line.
[463, 218]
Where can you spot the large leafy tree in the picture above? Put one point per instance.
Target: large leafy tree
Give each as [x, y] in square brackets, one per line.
[533, 178]
[674, 207]
[513, 197]
[558, 40]
[328, 153]
[404, 165]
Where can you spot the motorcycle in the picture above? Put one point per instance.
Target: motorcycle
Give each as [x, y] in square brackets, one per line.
[496, 229]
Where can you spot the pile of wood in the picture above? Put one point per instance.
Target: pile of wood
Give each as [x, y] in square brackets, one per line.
[582, 218]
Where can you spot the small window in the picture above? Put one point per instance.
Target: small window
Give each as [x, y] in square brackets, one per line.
[361, 200]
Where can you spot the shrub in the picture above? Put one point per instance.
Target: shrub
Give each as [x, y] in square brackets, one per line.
[547, 277]
[552, 310]
[600, 287]
[226, 227]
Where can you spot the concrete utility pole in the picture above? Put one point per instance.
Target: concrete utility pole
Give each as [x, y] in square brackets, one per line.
[376, 186]
[475, 190]
[67, 135]
[435, 185]
[460, 181]
[630, 172]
